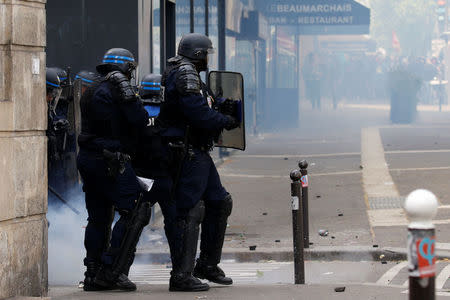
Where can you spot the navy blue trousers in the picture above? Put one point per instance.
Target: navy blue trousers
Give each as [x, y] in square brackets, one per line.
[199, 180]
[103, 193]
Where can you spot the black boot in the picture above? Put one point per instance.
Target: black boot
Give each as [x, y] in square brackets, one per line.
[108, 280]
[89, 277]
[212, 273]
[213, 234]
[185, 250]
[185, 282]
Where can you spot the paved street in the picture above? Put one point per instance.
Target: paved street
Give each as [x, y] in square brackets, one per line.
[394, 274]
[268, 292]
[361, 169]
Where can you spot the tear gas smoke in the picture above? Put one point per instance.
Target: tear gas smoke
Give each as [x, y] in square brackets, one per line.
[65, 241]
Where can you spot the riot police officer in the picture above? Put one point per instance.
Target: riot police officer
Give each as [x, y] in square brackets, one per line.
[55, 131]
[66, 95]
[112, 118]
[53, 87]
[188, 119]
[89, 80]
[97, 235]
[151, 159]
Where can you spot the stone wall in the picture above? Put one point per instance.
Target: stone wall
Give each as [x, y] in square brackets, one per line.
[23, 149]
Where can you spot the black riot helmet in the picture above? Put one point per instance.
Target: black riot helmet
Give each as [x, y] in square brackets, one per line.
[150, 89]
[196, 47]
[62, 74]
[52, 80]
[117, 59]
[88, 79]
[53, 85]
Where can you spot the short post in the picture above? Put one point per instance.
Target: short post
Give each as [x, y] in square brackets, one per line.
[297, 224]
[303, 165]
[421, 207]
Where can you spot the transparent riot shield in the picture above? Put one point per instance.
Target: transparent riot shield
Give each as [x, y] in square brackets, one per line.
[76, 109]
[230, 85]
[74, 116]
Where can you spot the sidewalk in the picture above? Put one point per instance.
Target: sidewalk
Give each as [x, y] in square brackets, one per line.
[270, 292]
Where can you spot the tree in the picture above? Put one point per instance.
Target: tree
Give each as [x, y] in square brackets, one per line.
[412, 20]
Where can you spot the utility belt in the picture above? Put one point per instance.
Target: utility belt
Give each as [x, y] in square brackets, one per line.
[177, 142]
[115, 160]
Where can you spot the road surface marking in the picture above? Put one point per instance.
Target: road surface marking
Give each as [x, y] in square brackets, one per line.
[251, 175]
[444, 207]
[240, 272]
[443, 246]
[434, 108]
[375, 168]
[377, 180]
[442, 294]
[421, 169]
[391, 273]
[287, 176]
[443, 276]
[299, 156]
[441, 222]
[417, 151]
[387, 217]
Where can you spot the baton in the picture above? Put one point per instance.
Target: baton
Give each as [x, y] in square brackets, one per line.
[63, 200]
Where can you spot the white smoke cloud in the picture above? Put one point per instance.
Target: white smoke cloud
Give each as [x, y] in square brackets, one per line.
[66, 241]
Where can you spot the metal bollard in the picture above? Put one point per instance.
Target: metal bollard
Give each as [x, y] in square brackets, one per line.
[303, 165]
[421, 207]
[297, 224]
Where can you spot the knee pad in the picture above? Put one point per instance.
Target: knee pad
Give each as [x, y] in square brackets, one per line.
[227, 205]
[144, 213]
[197, 213]
[125, 216]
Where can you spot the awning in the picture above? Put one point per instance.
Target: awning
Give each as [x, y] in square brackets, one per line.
[318, 17]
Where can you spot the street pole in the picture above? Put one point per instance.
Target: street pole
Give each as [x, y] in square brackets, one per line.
[421, 207]
[303, 165]
[191, 16]
[207, 17]
[221, 37]
[297, 224]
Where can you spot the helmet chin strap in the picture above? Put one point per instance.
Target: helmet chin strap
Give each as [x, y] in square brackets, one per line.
[201, 65]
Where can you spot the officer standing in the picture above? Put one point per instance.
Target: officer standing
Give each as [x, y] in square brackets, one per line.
[63, 175]
[151, 159]
[188, 119]
[55, 127]
[53, 85]
[89, 81]
[112, 118]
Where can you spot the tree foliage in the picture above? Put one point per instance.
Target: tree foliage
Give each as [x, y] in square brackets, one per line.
[413, 21]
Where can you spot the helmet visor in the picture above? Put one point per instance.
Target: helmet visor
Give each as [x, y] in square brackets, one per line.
[55, 95]
[210, 56]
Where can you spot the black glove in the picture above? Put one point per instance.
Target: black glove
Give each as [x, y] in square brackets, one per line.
[227, 107]
[115, 162]
[232, 123]
[61, 125]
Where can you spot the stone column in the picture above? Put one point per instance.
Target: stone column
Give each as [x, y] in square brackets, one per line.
[23, 149]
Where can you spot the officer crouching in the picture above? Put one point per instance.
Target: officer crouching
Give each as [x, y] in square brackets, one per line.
[189, 127]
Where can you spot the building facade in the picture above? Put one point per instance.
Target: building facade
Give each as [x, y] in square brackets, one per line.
[23, 149]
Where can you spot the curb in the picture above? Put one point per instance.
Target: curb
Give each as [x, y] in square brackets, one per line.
[344, 253]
